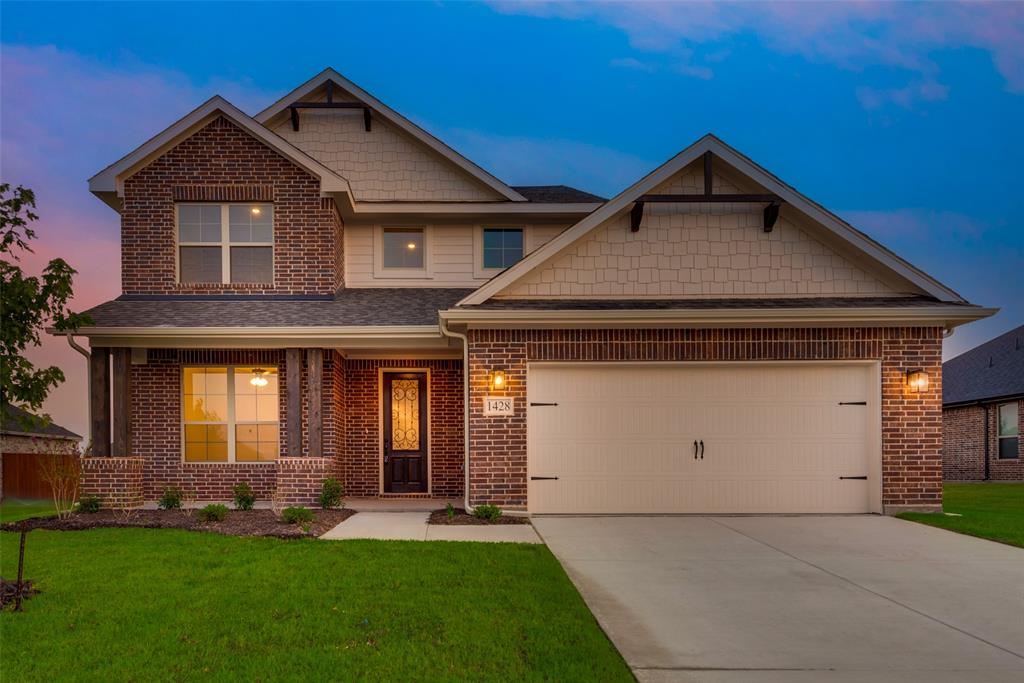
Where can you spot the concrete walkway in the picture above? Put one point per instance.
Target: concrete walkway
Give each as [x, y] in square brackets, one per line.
[773, 599]
[412, 526]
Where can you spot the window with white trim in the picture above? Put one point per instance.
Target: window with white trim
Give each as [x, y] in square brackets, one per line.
[1009, 431]
[225, 243]
[502, 247]
[230, 414]
[402, 248]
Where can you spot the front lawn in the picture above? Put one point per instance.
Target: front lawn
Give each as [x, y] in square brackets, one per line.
[168, 605]
[15, 509]
[989, 510]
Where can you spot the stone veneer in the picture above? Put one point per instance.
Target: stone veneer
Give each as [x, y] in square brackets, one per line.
[911, 424]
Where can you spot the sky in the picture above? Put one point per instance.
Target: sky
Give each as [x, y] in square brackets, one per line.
[902, 118]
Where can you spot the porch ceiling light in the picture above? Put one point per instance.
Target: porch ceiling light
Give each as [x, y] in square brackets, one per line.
[258, 379]
[917, 380]
[498, 379]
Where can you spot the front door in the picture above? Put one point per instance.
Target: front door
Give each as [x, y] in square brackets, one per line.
[405, 432]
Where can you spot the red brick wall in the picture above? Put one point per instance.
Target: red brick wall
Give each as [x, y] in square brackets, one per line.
[221, 162]
[117, 481]
[361, 460]
[911, 424]
[964, 445]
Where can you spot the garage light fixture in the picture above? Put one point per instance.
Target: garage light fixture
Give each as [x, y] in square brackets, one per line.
[917, 380]
[497, 379]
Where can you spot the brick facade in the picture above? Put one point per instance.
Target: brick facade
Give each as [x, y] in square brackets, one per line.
[963, 445]
[223, 163]
[911, 424]
[117, 481]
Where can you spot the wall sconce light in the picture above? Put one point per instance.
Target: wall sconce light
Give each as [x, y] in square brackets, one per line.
[917, 380]
[497, 379]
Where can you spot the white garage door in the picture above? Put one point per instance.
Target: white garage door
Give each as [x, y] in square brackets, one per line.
[703, 438]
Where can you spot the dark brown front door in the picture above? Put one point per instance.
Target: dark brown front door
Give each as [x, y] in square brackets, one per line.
[405, 432]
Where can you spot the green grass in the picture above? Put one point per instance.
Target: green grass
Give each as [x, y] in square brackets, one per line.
[988, 510]
[15, 509]
[168, 605]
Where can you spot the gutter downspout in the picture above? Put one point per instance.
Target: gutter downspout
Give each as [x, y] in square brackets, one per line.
[986, 442]
[88, 368]
[443, 324]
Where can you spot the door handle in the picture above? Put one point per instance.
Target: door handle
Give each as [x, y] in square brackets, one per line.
[702, 449]
[694, 449]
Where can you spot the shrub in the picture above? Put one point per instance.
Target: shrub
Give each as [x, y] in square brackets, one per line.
[331, 493]
[296, 515]
[62, 473]
[89, 504]
[450, 511]
[488, 512]
[170, 499]
[214, 512]
[244, 497]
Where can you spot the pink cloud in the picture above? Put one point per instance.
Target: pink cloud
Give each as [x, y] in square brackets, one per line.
[850, 35]
[65, 118]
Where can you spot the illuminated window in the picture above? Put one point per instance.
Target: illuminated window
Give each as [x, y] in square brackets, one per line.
[230, 414]
[402, 248]
[226, 243]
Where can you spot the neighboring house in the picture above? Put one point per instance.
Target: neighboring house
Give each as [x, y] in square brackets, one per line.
[22, 439]
[325, 289]
[983, 409]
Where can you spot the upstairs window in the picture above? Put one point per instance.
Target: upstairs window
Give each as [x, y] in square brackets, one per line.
[503, 247]
[1009, 431]
[402, 248]
[225, 243]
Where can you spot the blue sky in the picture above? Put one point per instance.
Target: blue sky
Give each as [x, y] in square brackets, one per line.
[902, 118]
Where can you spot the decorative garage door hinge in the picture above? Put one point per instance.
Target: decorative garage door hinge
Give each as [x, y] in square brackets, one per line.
[532, 403]
[853, 403]
[863, 476]
[542, 478]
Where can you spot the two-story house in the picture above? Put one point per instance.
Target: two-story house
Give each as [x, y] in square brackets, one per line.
[325, 289]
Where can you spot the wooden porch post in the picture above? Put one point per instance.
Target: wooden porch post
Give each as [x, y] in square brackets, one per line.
[99, 400]
[293, 415]
[314, 395]
[122, 400]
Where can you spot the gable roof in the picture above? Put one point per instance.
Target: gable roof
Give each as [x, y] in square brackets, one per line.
[394, 118]
[12, 425]
[107, 183]
[709, 143]
[992, 370]
[557, 194]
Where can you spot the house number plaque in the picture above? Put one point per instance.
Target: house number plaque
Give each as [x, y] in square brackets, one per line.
[498, 405]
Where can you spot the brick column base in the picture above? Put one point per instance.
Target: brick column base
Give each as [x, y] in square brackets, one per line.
[300, 479]
[117, 481]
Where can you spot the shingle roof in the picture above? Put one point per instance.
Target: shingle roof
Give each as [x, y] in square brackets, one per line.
[12, 425]
[993, 370]
[684, 304]
[350, 307]
[557, 194]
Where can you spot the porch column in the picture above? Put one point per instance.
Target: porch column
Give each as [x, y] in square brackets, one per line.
[99, 400]
[293, 414]
[314, 405]
[122, 400]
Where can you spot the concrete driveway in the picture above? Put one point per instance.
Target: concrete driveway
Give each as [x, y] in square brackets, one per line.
[766, 599]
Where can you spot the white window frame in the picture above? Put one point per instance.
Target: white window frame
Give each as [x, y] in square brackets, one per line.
[385, 273]
[1012, 405]
[225, 243]
[481, 273]
[231, 423]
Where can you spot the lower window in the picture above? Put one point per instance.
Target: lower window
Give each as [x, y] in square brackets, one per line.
[1009, 431]
[230, 414]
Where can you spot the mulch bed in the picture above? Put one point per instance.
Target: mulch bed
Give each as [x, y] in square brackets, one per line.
[237, 523]
[462, 517]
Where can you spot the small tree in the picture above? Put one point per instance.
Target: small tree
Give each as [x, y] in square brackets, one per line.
[62, 473]
[28, 305]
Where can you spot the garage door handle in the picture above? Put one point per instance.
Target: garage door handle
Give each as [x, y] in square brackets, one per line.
[860, 477]
[694, 449]
[702, 449]
[542, 478]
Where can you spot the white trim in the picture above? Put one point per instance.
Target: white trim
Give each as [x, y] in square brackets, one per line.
[381, 371]
[230, 422]
[710, 143]
[393, 117]
[481, 273]
[498, 318]
[382, 272]
[108, 184]
[503, 210]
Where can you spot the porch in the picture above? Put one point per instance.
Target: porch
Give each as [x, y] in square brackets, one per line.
[388, 425]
